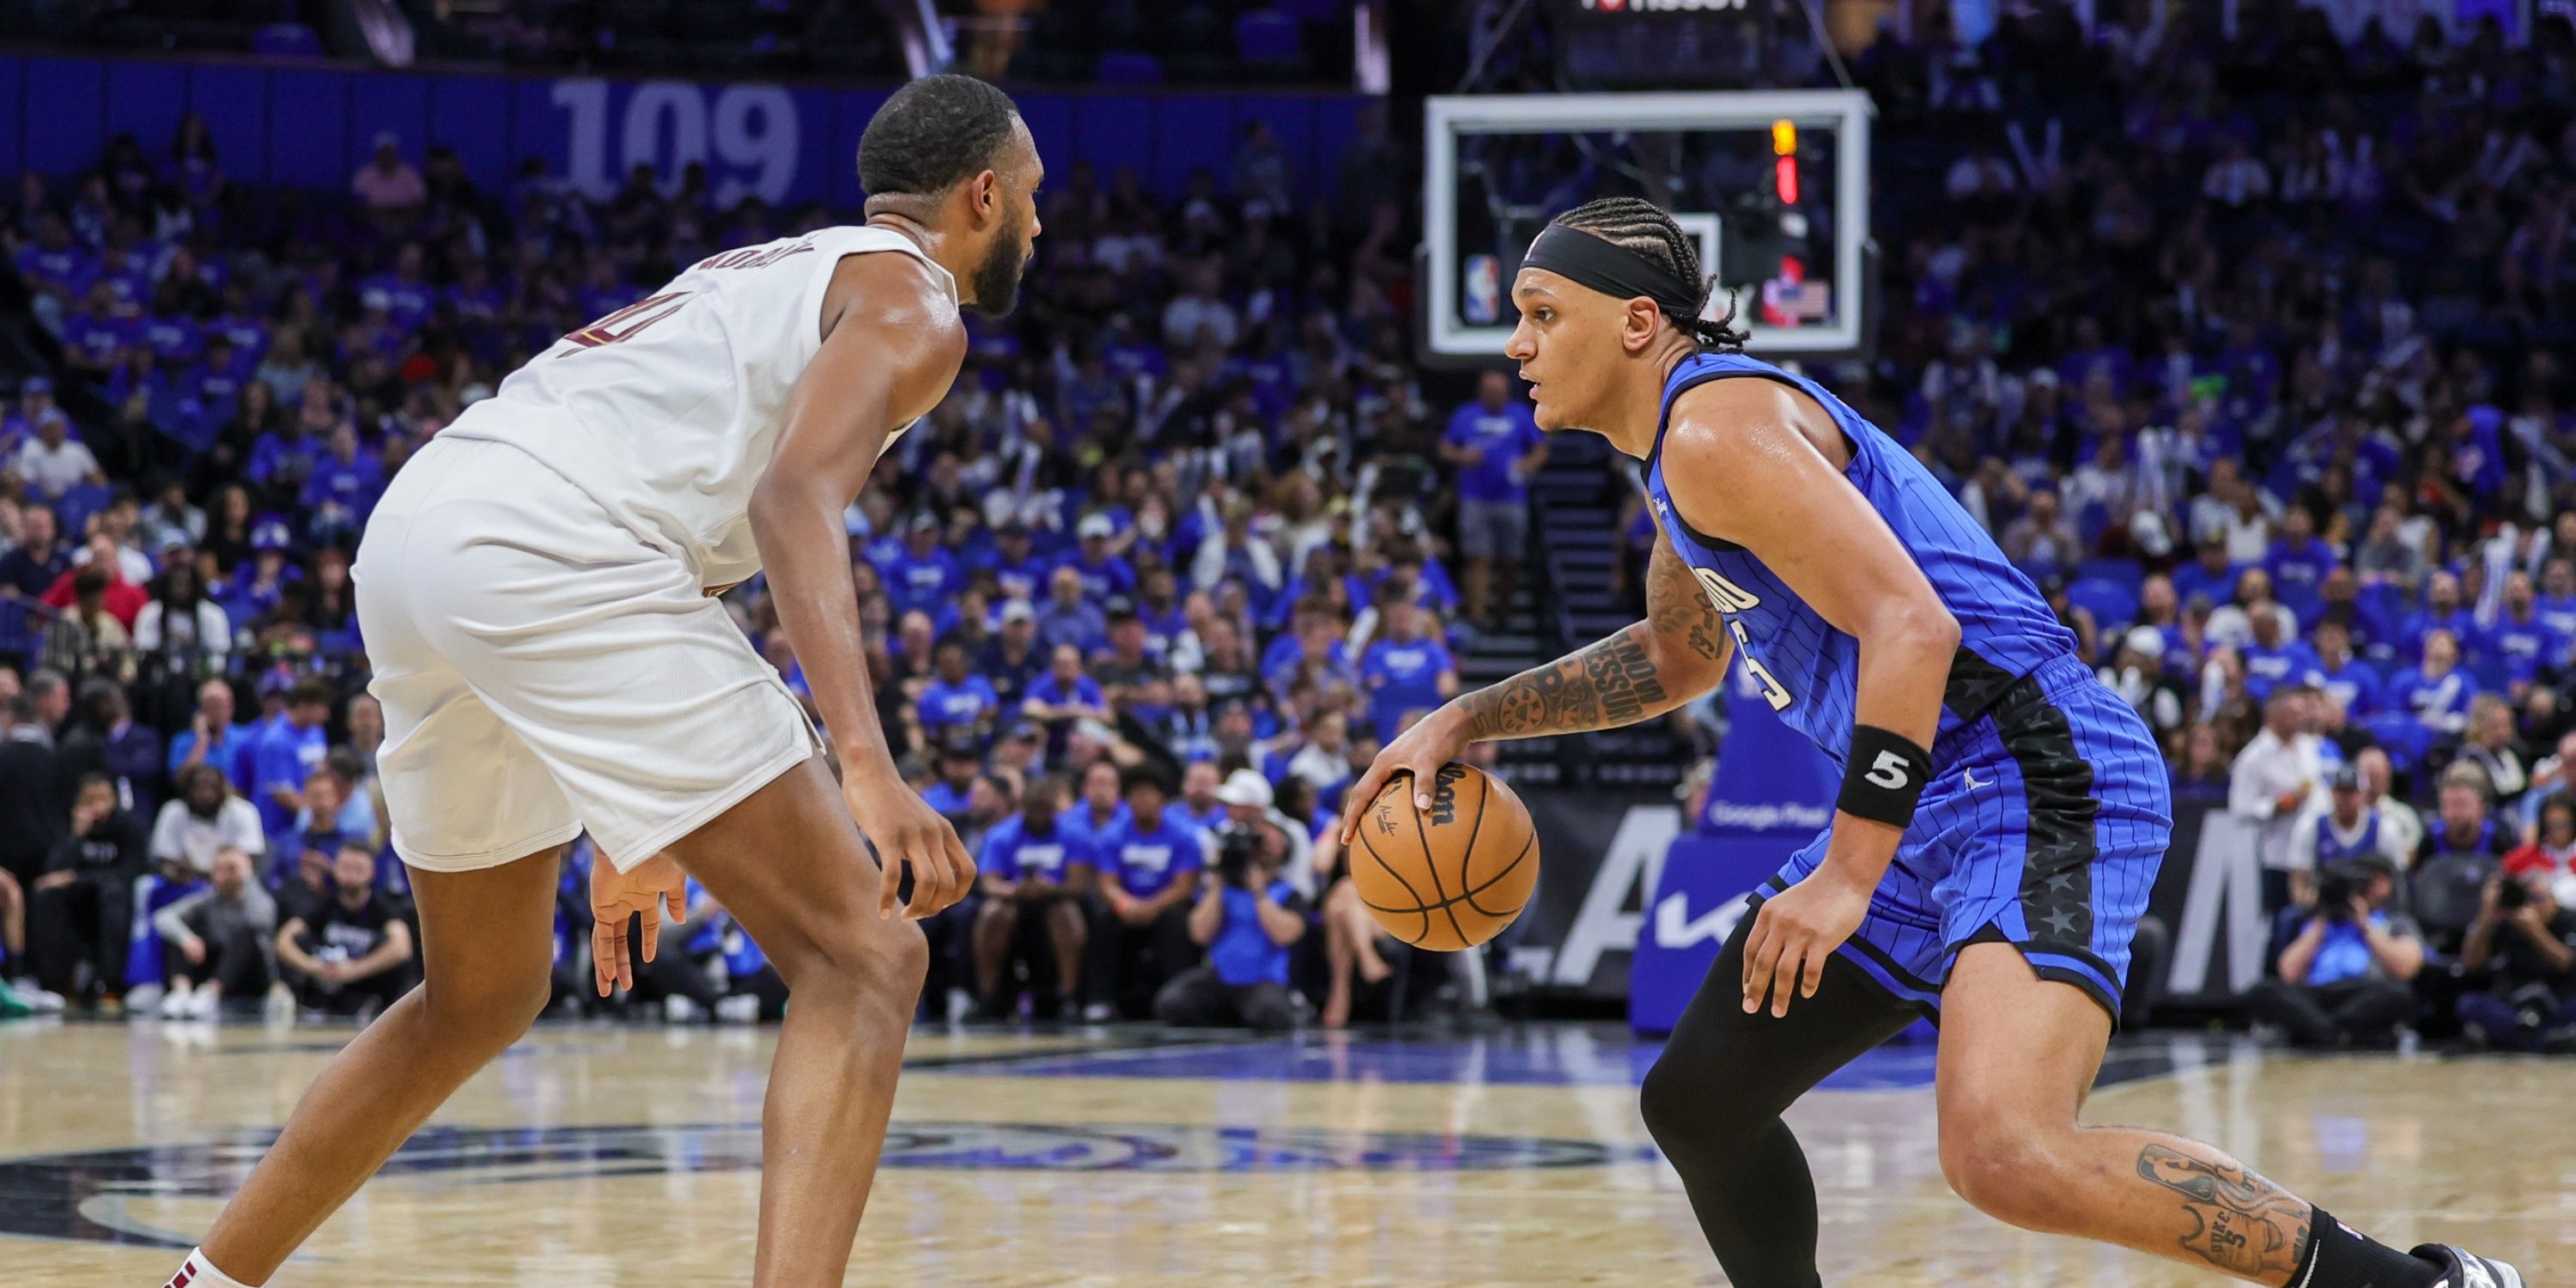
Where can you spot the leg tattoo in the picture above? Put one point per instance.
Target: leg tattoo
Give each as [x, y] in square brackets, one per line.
[2242, 1224]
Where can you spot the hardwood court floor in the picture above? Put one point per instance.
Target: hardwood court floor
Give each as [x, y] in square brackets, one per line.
[602, 1155]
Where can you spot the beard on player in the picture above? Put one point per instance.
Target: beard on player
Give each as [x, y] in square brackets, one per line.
[997, 278]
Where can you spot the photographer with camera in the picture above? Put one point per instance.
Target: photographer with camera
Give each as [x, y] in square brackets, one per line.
[1246, 919]
[2346, 978]
[2524, 942]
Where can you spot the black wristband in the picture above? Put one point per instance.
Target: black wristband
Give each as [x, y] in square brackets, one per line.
[1884, 776]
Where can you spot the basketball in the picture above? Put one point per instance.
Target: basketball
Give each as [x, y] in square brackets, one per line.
[1454, 875]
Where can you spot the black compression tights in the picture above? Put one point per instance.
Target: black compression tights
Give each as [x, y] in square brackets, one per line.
[1714, 1097]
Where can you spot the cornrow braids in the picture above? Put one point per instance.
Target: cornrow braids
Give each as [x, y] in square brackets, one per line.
[1643, 228]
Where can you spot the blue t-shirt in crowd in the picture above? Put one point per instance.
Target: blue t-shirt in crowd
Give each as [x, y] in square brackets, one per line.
[1402, 677]
[1149, 859]
[2344, 953]
[2559, 611]
[2460, 622]
[1014, 852]
[1084, 691]
[2299, 572]
[1504, 437]
[2525, 647]
[1243, 953]
[944, 799]
[1111, 576]
[2353, 684]
[284, 758]
[2267, 669]
[963, 703]
[2192, 579]
[2435, 701]
[223, 755]
[923, 583]
[1078, 820]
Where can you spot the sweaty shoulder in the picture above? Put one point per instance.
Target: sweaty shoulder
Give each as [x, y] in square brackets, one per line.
[1718, 421]
[897, 293]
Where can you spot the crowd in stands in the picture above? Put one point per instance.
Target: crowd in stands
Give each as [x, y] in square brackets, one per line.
[1141, 597]
[2247, 345]
[2242, 344]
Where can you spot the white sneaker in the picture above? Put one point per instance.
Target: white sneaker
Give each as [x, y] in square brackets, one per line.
[741, 1008]
[960, 1005]
[679, 1010]
[36, 998]
[279, 1006]
[203, 1005]
[1099, 1013]
[176, 1003]
[143, 1000]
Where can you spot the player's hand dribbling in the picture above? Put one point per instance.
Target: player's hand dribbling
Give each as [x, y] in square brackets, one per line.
[1433, 741]
[908, 833]
[1792, 936]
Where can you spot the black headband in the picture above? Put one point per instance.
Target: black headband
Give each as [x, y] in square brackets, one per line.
[1586, 260]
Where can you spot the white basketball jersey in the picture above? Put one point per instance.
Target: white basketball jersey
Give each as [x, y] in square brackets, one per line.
[667, 411]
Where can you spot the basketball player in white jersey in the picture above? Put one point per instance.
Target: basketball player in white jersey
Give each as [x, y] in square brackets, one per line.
[536, 593]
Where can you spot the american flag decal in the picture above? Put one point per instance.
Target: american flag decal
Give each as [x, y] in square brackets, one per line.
[624, 323]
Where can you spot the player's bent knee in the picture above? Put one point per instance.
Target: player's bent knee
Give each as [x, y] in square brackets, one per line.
[2010, 1172]
[861, 965]
[487, 1014]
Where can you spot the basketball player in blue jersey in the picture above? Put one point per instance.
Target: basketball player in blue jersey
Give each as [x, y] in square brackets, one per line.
[2001, 817]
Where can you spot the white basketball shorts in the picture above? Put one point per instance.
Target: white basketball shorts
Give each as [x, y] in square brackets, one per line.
[544, 669]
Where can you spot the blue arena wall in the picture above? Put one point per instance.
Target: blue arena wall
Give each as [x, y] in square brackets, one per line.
[311, 126]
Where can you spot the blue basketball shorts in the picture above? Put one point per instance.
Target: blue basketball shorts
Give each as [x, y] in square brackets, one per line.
[2043, 826]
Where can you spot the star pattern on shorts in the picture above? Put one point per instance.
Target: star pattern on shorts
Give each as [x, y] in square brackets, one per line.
[2062, 921]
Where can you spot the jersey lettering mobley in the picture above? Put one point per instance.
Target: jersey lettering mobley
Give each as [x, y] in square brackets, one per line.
[668, 411]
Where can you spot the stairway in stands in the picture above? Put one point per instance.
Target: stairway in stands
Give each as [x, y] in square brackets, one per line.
[1567, 600]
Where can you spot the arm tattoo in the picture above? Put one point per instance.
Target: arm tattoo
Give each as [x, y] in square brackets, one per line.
[2241, 1223]
[1608, 683]
[1677, 609]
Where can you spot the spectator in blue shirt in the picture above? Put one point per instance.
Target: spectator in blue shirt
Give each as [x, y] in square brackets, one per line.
[2209, 575]
[2272, 658]
[2299, 561]
[1496, 445]
[1034, 871]
[2342, 676]
[957, 697]
[2438, 691]
[959, 760]
[342, 489]
[1198, 803]
[1064, 694]
[2556, 603]
[923, 577]
[2442, 611]
[1017, 570]
[1101, 573]
[1067, 619]
[1149, 870]
[1101, 804]
[211, 737]
[1246, 919]
[2346, 976]
[2528, 646]
[288, 753]
[1405, 670]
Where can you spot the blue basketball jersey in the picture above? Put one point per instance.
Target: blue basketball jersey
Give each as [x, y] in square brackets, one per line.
[2333, 849]
[1809, 671]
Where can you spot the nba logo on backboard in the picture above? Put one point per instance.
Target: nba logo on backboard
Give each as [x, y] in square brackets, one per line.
[1484, 290]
